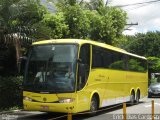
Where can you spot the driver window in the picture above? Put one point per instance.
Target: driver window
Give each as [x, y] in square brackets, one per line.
[85, 60]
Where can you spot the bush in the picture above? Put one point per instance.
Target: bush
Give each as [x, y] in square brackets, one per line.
[10, 91]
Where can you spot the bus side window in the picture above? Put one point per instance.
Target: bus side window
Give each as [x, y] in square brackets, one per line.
[84, 64]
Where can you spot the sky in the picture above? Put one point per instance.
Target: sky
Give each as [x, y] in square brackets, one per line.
[147, 15]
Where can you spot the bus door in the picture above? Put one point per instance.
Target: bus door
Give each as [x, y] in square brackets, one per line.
[83, 73]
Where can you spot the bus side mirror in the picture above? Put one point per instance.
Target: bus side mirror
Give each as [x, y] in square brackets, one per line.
[22, 61]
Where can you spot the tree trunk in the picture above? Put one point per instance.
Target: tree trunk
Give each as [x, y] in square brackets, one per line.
[17, 45]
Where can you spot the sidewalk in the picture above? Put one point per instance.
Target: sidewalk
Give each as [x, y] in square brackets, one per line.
[17, 114]
[11, 111]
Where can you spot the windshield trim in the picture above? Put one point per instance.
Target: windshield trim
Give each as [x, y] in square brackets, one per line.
[48, 91]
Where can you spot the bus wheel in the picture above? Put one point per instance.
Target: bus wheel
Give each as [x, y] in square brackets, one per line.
[132, 98]
[93, 106]
[137, 97]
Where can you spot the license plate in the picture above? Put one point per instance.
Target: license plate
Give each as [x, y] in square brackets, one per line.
[44, 107]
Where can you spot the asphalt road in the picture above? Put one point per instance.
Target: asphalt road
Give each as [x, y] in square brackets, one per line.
[142, 111]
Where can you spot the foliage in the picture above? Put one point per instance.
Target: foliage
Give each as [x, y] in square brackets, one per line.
[18, 17]
[27, 12]
[77, 21]
[144, 44]
[113, 22]
[63, 4]
[154, 64]
[11, 94]
[57, 25]
[92, 20]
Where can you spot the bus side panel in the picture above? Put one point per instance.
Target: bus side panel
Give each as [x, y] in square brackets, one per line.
[138, 81]
[109, 84]
[114, 86]
[83, 100]
[117, 83]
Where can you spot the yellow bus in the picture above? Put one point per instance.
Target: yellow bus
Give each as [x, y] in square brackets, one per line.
[73, 75]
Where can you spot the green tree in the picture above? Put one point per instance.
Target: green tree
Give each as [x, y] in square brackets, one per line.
[14, 13]
[144, 44]
[153, 67]
[56, 24]
[154, 64]
[16, 20]
[95, 21]
[77, 21]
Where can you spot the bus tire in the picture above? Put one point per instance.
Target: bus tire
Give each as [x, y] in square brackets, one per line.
[93, 106]
[137, 96]
[132, 98]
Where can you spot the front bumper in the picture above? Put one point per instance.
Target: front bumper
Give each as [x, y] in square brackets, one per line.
[49, 107]
[153, 94]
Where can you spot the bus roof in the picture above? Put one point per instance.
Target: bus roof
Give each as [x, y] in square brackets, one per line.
[81, 41]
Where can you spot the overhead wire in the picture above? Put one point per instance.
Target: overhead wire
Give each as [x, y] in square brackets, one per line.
[133, 6]
[141, 3]
[136, 7]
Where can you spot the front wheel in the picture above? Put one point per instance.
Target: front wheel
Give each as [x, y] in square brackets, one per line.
[93, 106]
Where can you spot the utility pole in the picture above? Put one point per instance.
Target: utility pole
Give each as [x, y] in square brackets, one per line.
[130, 25]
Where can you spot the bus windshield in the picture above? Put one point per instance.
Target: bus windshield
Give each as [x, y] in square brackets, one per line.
[51, 68]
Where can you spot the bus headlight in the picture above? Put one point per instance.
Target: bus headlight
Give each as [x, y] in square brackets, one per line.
[66, 100]
[27, 99]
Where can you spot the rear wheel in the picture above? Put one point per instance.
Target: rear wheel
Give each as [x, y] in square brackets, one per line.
[132, 98]
[93, 106]
[137, 97]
